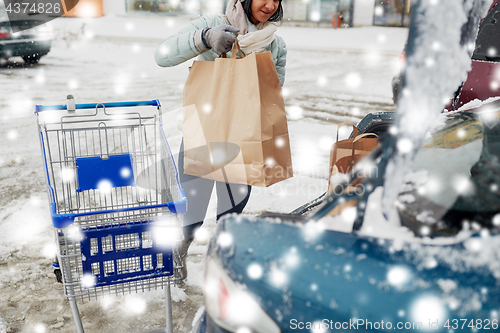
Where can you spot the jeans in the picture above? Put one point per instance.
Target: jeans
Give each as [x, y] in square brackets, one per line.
[231, 198]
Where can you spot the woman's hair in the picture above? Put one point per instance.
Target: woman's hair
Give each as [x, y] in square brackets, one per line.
[277, 16]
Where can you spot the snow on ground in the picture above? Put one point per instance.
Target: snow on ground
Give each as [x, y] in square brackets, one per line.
[332, 76]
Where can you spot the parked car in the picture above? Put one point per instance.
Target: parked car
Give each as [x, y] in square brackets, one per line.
[483, 80]
[30, 44]
[436, 271]
[337, 263]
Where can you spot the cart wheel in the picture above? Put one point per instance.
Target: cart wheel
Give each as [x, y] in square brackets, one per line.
[58, 274]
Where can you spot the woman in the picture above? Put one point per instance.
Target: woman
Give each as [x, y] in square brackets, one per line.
[252, 21]
[211, 35]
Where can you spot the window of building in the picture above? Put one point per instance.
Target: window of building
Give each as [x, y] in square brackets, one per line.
[318, 11]
[177, 7]
[392, 13]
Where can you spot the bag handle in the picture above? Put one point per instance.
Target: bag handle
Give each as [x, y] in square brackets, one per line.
[333, 154]
[354, 129]
[358, 138]
[236, 47]
[364, 135]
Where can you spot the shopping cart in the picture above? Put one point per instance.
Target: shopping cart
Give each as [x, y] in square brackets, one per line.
[115, 200]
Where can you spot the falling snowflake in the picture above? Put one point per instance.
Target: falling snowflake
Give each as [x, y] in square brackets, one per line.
[135, 304]
[399, 276]
[136, 48]
[379, 11]
[427, 308]
[294, 112]
[88, 281]
[254, 271]
[40, 328]
[89, 34]
[73, 84]
[105, 186]
[353, 80]
[40, 77]
[322, 81]
[225, 239]
[12, 134]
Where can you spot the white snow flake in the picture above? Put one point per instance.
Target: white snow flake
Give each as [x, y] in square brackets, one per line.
[294, 112]
[399, 276]
[73, 84]
[322, 81]
[135, 304]
[285, 92]
[427, 308]
[278, 277]
[12, 134]
[225, 239]
[405, 145]
[254, 271]
[353, 80]
[40, 328]
[88, 281]
[496, 220]
[382, 38]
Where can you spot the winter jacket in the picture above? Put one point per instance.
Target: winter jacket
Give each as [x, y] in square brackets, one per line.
[181, 47]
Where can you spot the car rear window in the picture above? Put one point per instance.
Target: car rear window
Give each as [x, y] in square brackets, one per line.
[488, 38]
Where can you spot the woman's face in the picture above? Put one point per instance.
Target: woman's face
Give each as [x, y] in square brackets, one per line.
[262, 10]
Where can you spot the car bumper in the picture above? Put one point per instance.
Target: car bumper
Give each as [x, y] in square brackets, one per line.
[20, 48]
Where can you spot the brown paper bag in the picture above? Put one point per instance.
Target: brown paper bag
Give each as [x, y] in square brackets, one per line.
[234, 126]
[346, 153]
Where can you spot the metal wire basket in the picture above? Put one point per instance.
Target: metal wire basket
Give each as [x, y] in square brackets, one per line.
[115, 199]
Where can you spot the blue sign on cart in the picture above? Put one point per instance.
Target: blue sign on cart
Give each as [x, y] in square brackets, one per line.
[96, 172]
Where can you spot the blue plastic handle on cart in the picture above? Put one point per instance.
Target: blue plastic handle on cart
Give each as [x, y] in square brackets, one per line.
[60, 220]
[155, 102]
[65, 220]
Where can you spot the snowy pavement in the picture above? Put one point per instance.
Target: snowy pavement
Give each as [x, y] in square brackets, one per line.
[332, 76]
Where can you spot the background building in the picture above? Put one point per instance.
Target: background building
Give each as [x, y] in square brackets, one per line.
[321, 12]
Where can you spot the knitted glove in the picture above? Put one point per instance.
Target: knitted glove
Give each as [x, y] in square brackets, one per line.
[218, 38]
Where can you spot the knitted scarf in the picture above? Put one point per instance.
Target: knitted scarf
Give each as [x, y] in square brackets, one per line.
[255, 41]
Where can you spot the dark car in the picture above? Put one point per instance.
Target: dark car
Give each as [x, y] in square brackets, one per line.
[339, 264]
[30, 44]
[437, 270]
[483, 80]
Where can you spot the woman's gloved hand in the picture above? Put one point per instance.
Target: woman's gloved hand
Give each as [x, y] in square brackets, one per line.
[218, 38]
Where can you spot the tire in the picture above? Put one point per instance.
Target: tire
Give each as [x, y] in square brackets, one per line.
[32, 59]
[58, 274]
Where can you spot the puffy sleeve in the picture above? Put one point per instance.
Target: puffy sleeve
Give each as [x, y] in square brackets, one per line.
[184, 45]
[281, 60]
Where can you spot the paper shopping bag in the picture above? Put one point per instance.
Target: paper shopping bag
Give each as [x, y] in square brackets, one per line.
[235, 128]
[346, 153]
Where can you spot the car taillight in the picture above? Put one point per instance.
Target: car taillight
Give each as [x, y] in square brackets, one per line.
[223, 300]
[230, 305]
[4, 33]
[402, 57]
